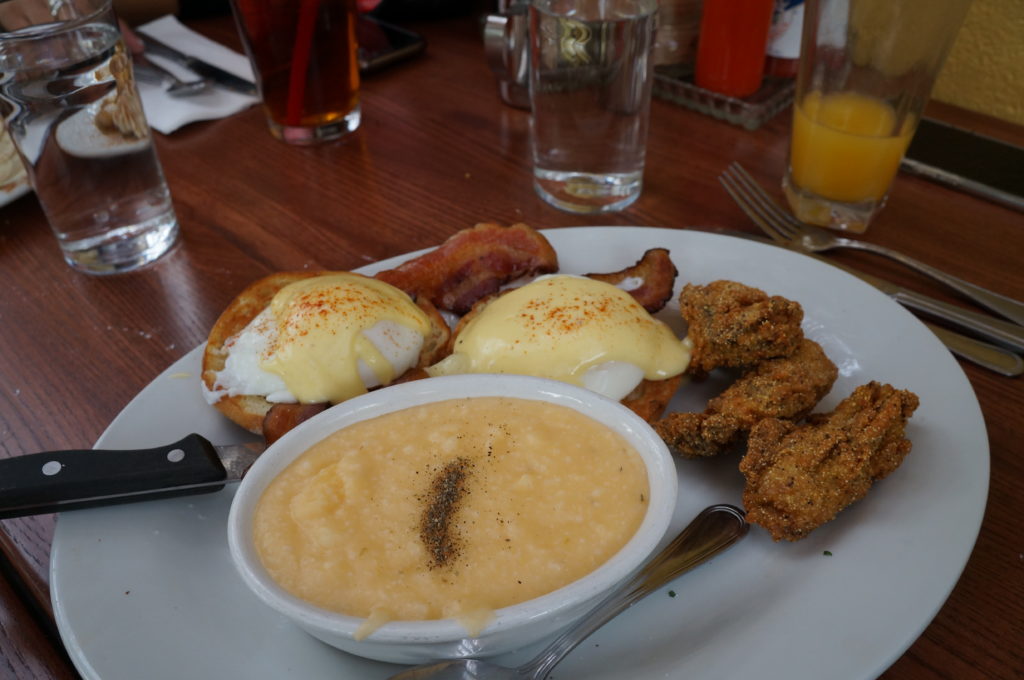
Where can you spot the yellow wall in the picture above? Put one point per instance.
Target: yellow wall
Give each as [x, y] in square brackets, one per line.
[985, 70]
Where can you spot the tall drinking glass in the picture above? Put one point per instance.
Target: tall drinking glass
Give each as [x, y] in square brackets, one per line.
[590, 90]
[867, 68]
[71, 107]
[303, 53]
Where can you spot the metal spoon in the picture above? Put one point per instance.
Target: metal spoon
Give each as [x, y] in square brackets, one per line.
[711, 532]
[178, 87]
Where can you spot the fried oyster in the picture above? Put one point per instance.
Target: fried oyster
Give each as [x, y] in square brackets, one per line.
[785, 387]
[734, 326]
[801, 476]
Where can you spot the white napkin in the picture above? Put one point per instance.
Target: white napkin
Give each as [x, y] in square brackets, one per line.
[166, 113]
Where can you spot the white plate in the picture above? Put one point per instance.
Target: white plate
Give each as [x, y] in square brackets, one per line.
[148, 590]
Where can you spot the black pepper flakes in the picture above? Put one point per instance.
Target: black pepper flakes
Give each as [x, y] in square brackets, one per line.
[436, 523]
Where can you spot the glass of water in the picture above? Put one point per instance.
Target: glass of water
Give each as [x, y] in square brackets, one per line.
[590, 91]
[68, 97]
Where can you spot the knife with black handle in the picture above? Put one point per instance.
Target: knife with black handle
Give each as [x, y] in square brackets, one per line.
[55, 481]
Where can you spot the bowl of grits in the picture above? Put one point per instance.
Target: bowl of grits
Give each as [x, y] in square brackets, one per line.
[455, 516]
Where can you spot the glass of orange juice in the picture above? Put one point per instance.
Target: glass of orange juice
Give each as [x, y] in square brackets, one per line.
[867, 68]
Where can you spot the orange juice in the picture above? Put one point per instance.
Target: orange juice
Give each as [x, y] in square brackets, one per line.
[846, 146]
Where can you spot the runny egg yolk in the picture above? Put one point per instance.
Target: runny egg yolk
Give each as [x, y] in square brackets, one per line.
[326, 326]
[568, 328]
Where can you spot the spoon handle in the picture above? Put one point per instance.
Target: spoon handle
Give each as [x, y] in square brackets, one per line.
[712, 531]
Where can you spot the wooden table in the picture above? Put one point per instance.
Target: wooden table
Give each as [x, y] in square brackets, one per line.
[438, 152]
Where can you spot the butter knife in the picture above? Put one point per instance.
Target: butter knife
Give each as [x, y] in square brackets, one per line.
[992, 357]
[215, 74]
[55, 481]
[1001, 332]
[988, 356]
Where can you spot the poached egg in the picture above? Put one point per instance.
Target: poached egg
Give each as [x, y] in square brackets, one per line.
[569, 328]
[325, 338]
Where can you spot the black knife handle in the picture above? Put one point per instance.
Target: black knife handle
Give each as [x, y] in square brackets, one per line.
[55, 481]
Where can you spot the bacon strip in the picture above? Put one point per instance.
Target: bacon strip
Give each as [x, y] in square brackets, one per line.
[472, 264]
[654, 276]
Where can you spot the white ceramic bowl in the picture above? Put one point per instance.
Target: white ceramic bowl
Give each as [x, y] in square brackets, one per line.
[513, 627]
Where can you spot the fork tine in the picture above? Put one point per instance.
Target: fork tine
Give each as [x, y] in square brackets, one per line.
[743, 200]
[785, 223]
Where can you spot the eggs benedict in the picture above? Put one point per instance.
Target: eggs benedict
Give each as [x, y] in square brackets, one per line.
[314, 338]
[570, 328]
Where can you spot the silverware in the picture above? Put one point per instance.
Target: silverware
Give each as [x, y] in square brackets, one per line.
[55, 481]
[214, 73]
[989, 356]
[177, 87]
[712, 531]
[785, 228]
[995, 330]
[1003, 333]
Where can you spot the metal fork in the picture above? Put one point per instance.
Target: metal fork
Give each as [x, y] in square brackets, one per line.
[786, 229]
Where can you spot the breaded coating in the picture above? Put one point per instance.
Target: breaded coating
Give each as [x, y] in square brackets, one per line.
[787, 387]
[801, 476]
[733, 325]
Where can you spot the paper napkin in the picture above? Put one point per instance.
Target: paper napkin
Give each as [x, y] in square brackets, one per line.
[166, 113]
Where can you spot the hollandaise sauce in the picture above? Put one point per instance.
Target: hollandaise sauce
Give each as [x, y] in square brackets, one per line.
[569, 328]
[335, 335]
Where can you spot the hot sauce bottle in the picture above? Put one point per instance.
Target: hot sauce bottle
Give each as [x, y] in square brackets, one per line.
[731, 48]
[784, 38]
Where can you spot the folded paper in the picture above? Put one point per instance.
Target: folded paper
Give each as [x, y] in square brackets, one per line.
[167, 113]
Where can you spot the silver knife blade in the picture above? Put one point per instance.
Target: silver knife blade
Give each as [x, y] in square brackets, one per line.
[984, 354]
[990, 356]
[1004, 333]
[54, 481]
[238, 458]
[201, 68]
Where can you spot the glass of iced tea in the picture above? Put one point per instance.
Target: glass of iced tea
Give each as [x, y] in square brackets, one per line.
[866, 72]
[303, 53]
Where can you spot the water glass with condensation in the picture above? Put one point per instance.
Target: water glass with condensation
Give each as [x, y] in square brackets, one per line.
[590, 91]
[68, 96]
[304, 55]
[867, 68]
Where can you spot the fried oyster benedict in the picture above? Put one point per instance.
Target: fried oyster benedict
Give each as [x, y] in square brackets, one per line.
[314, 338]
[578, 330]
[293, 343]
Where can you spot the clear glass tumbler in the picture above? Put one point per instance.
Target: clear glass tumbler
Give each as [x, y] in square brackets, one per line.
[867, 68]
[69, 100]
[590, 91]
